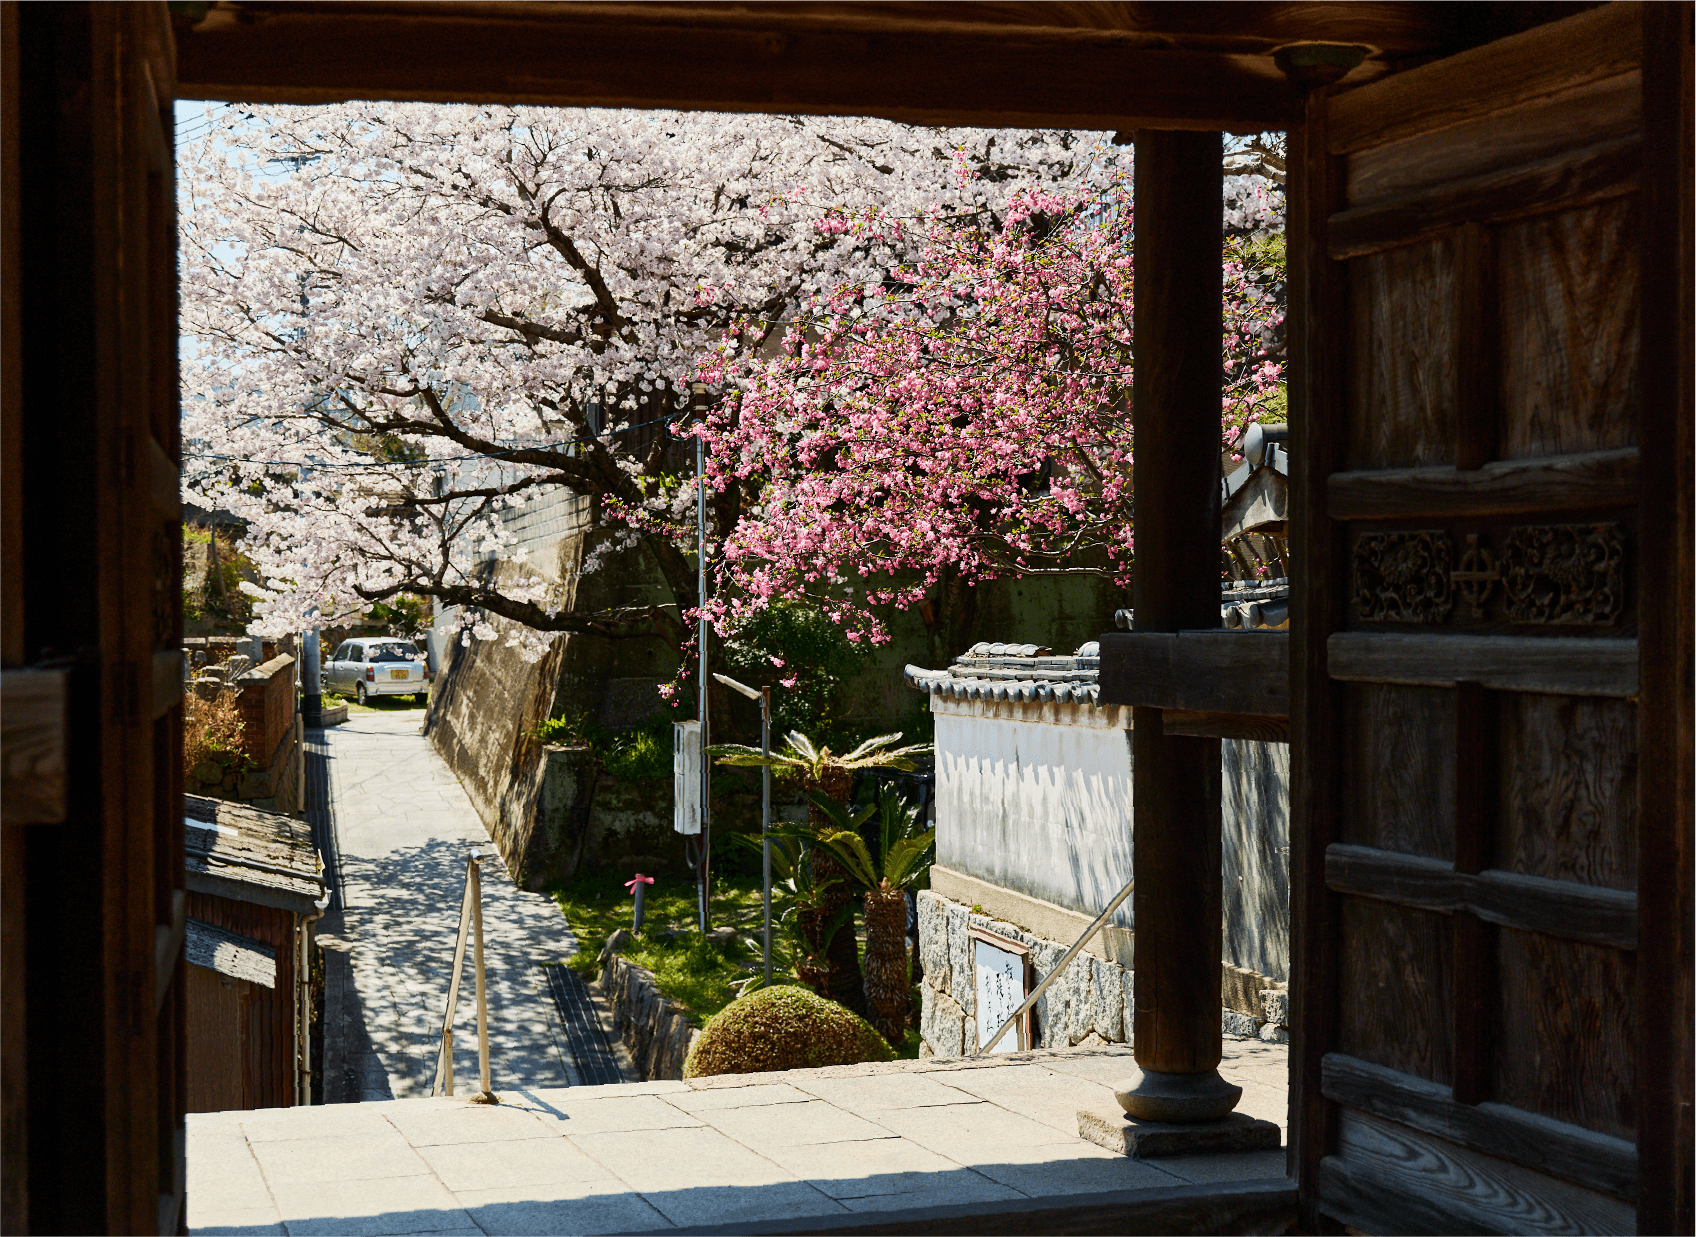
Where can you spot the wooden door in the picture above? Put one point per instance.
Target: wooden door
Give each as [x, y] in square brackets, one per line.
[1488, 575]
[93, 900]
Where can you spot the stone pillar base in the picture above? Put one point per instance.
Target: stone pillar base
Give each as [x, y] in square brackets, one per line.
[1151, 1139]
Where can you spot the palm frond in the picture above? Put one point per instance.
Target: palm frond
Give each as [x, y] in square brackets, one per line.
[850, 851]
[871, 745]
[907, 860]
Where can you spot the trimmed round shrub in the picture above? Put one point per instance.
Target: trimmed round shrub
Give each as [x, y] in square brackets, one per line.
[783, 1027]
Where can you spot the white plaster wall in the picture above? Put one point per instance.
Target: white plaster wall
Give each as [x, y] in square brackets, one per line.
[1036, 805]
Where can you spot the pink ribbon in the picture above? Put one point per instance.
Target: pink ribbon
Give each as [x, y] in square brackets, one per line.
[646, 880]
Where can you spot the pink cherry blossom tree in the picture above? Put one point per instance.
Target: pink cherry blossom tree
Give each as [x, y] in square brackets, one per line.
[964, 416]
[403, 321]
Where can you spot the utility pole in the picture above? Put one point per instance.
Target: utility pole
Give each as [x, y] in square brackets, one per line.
[703, 871]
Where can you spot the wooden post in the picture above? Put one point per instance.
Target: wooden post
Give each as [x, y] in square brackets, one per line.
[487, 1094]
[1176, 812]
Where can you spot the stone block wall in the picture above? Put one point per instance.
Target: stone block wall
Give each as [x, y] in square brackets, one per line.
[653, 1027]
[1092, 1002]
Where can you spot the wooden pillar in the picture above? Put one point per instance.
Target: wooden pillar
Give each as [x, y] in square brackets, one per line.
[1176, 813]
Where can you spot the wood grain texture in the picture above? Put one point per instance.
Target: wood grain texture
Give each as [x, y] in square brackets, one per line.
[1585, 913]
[1569, 312]
[1257, 728]
[1400, 774]
[1046, 70]
[1318, 333]
[1667, 722]
[1560, 665]
[1559, 182]
[32, 749]
[1584, 481]
[1387, 1178]
[164, 482]
[1204, 672]
[1568, 798]
[1476, 775]
[1537, 64]
[1396, 979]
[1404, 315]
[1567, 1032]
[1477, 411]
[1570, 1152]
[167, 681]
[1584, 115]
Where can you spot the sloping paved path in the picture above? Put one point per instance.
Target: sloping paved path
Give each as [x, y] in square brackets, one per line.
[907, 1144]
[399, 831]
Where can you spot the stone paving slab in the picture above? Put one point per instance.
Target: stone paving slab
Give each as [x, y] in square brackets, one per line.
[401, 827]
[899, 1144]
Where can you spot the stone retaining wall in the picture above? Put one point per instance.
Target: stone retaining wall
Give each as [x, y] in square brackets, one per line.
[653, 1026]
[1091, 1003]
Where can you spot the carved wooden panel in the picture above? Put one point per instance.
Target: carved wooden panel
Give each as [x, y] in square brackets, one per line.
[1401, 769]
[1567, 1031]
[1568, 294]
[1402, 367]
[1396, 970]
[1569, 789]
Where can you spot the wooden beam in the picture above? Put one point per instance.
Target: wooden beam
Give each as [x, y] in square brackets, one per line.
[1259, 728]
[1568, 1152]
[1176, 805]
[1318, 326]
[1219, 671]
[1586, 47]
[1666, 714]
[1587, 481]
[907, 63]
[1557, 665]
[1561, 182]
[1566, 909]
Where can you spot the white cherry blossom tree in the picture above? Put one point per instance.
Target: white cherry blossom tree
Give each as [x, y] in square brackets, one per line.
[401, 321]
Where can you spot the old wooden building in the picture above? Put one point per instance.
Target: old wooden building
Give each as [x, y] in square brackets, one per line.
[1488, 669]
[255, 889]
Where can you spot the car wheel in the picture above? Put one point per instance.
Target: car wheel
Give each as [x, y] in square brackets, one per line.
[421, 698]
[359, 692]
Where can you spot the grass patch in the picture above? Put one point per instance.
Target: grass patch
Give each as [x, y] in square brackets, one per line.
[378, 704]
[688, 968]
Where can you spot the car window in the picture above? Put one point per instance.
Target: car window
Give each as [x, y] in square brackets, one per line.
[390, 652]
[341, 653]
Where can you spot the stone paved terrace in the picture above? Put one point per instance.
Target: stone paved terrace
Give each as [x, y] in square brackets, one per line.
[943, 1145]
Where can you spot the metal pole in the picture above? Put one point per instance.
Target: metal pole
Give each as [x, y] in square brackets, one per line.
[486, 1095]
[703, 872]
[765, 815]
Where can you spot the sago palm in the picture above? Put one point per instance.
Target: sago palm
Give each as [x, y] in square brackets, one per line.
[904, 855]
[823, 770]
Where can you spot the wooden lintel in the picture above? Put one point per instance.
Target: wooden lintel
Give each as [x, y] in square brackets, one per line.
[32, 746]
[1560, 182]
[1566, 909]
[754, 59]
[1261, 728]
[1586, 47]
[1237, 672]
[1559, 665]
[1569, 1152]
[1588, 481]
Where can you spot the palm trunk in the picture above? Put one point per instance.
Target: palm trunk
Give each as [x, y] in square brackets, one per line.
[887, 978]
[844, 983]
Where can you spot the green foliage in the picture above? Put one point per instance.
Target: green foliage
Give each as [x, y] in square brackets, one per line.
[794, 640]
[781, 1028]
[815, 762]
[403, 615]
[642, 753]
[904, 852]
[218, 598]
[691, 970]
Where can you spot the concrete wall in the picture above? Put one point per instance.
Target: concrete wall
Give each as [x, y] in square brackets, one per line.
[1036, 798]
[1033, 816]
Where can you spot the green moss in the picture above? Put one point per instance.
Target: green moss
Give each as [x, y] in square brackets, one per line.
[782, 1028]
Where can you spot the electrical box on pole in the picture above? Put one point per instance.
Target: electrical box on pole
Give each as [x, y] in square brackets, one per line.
[686, 777]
